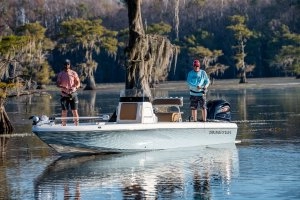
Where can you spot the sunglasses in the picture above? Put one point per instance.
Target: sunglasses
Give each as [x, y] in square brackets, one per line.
[196, 66]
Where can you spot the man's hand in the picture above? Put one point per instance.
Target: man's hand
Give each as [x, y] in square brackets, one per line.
[62, 87]
[73, 89]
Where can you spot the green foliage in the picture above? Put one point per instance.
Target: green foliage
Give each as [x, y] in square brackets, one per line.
[10, 45]
[5, 87]
[200, 37]
[33, 30]
[110, 45]
[159, 28]
[190, 40]
[42, 74]
[241, 34]
[239, 28]
[288, 58]
[208, 57]
[88, 35]
[27, 51]
[203, 52]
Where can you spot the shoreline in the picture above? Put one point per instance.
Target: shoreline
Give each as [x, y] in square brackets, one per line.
[223, 84]
[219, 84]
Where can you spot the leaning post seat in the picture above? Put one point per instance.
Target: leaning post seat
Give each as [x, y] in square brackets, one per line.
[163, 106]
[168, 101]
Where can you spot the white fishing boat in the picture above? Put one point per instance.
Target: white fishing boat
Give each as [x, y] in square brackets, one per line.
[139, 124]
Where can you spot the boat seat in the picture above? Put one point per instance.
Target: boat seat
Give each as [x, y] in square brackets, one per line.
[128, 111]
[169, 117]
[168, 102]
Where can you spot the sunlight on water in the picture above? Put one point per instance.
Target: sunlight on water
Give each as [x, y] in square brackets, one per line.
[264, 164]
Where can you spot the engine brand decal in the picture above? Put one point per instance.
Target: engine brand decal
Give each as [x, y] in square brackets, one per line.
[220, 132]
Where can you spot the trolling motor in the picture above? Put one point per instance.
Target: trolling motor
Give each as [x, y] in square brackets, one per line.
[218, 109]
[39, 119]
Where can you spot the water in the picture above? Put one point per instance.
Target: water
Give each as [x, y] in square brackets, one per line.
[264, 165]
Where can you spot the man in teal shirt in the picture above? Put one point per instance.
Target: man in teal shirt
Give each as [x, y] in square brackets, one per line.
[198, 82]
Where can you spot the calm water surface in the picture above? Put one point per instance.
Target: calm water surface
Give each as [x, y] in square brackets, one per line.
[265, 165]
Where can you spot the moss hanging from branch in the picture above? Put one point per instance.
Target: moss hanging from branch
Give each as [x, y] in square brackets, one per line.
[176, 18]
[150, 60]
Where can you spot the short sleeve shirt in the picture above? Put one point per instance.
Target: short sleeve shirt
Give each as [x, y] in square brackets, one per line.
[67, 80]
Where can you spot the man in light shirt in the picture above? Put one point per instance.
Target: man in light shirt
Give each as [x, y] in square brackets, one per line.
[68, 81]
[198, 82]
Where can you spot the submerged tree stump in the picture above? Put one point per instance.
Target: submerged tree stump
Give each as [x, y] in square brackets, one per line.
[5, 124]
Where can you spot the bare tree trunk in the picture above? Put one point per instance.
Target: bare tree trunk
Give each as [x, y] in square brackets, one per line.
[90, 80]
[135, 21]
[243, 71]
[135, 31]
[90, 83]
[3, 148]
[5, 125]
[243, 77]
[148, 56]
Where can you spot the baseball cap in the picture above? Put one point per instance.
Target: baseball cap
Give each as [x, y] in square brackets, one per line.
[67, 61]
[196, 63]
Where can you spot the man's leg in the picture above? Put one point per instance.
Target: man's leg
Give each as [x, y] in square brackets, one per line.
[203, 108]
[75, 117]
[193, 106]
[194, 114]
[204, 114]
[64, 111]
[74, 108]
[63, 115]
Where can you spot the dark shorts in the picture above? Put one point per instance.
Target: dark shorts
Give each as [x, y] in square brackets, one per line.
[67, 102]
[197, 100]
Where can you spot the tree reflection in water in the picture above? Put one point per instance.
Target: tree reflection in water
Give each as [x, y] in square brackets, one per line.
[4, 194]
[201, 186]
[68, 195]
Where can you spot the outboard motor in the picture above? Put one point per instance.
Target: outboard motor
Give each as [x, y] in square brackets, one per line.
[218, 109]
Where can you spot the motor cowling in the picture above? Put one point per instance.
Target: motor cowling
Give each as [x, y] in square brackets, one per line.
[218, 109]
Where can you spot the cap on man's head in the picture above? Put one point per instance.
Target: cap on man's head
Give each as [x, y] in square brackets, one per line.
[67, 61]
[196, 63]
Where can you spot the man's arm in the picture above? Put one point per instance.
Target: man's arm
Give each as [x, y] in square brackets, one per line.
[58, 81]
[190, 81]
[77, 82]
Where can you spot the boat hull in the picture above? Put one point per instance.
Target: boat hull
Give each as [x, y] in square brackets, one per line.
[115, 137]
